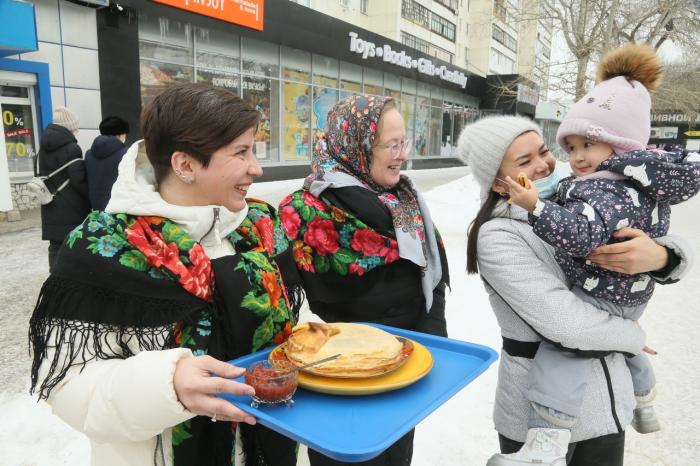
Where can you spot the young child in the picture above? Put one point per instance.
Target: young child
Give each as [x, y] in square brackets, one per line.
[616, 183]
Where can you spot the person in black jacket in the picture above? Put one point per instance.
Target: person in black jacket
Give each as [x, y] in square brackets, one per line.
[70, 205]
[102, 160]
[363, 237]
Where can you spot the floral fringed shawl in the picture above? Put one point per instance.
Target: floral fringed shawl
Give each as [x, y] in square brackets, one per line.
[125, 284]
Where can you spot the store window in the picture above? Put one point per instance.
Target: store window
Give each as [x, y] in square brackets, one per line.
[297, 100]
[350, 79]
[166, 54]
[165, 39]
[156, 76]
[325, 92]
[292, 89]
[373, 82]
[260, 58]
[229, 81]
[263, 95]
[392, 87]
[324, 99]
[421, 133]
[218, 50]
[325, 71]
[408, 103]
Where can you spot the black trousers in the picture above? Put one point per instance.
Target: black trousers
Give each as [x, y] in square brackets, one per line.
[54, 246]
[399, 454]
[608, 450]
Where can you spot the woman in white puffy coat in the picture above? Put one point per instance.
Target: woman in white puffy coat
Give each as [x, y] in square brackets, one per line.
[132, 328]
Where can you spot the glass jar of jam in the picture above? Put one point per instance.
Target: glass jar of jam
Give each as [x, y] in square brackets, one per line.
[273, 381]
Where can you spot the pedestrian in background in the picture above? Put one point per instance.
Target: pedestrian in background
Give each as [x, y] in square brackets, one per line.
[70, 205]
[102, 160]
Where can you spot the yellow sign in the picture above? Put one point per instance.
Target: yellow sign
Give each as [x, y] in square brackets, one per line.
[692, 133]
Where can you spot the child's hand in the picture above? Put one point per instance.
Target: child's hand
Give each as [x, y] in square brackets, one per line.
[524, 196]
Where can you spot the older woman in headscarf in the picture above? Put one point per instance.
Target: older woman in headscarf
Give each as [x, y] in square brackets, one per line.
[363, 237]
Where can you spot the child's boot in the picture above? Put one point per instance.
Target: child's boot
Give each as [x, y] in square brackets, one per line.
[543, 447]
[645, 420]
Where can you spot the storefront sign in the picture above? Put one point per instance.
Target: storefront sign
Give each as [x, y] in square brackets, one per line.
[247, 13]
[692, 133]
[400, 58]
[673, 117]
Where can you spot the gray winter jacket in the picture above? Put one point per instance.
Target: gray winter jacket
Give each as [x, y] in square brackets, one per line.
[531, 299]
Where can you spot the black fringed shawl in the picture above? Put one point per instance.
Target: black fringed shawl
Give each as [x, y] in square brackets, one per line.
[125, 284]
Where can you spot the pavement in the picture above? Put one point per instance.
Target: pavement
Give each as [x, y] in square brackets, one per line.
[671, 321]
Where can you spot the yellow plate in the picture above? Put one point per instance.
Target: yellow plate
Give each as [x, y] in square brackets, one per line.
[416, 367]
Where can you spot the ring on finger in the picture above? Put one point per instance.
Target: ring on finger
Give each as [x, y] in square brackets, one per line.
[213, 418]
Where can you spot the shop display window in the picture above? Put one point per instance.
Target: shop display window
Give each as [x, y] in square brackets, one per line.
[292, 89]
[350, 79]
[260, 58]
[325, 71]
[373, 82]
[263, 95]
[435, 131]
[296, 124]
[296, 65]
[392, 87]
[324, 99]
[421, 133]
[156, 76]
[229, 81]
[165, 39]
[218, 50]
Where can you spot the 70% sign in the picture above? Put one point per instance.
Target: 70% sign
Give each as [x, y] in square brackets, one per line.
[18, 149]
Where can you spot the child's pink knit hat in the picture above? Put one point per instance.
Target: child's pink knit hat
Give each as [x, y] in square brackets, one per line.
[617, 110]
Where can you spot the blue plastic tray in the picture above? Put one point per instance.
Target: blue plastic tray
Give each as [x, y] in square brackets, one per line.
[358, 428]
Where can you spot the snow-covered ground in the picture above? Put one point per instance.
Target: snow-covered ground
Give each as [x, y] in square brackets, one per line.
[461, 431]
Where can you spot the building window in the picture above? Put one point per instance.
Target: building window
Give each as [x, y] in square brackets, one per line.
[416, 13]
[451, 5]
[443, 27]
[363, 6]
[426, 47]
[420, 15]
[499, 35]
[501, 64]
[499, 10]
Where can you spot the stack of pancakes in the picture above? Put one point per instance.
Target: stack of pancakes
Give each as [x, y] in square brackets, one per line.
[364, 351]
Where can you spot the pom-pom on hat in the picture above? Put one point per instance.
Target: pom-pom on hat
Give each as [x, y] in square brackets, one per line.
[483, 144]
[66, 118]
[617, 110]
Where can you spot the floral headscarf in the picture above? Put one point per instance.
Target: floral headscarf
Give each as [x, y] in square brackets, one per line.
[342, 157]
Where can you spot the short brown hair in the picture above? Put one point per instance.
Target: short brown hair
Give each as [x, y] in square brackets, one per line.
[197, 119]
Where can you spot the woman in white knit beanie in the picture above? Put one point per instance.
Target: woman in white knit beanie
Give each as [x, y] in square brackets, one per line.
[530, 296]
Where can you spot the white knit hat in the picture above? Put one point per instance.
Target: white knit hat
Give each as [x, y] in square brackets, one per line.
[483, 144]
[66, 118]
